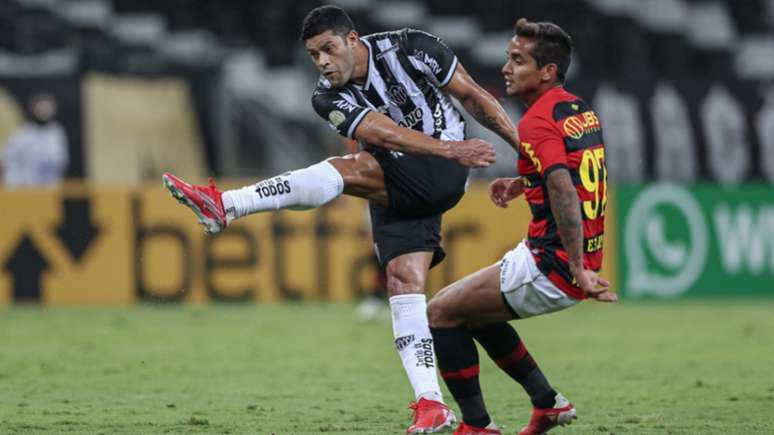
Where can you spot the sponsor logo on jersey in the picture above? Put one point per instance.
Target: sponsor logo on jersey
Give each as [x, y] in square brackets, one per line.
[595, 243]
[412, 118]
[438, 116]
[398, 94]
[527, 147]
[345, 105]
[583, 123]
[336, 118]
[403, 342]
[424, 353]
[428, 60]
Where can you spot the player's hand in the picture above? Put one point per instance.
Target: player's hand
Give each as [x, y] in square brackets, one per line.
[502, 190]
[595, 286]
[474, 153]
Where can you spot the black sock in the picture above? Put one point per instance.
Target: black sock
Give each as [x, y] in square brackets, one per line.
[504, 346]
[458, 362]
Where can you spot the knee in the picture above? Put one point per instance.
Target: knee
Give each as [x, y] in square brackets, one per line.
[404, 280]
[441, 312]
[435, 314]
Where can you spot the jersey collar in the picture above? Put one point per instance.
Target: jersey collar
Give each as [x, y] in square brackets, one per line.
[554, 90]
[371, 65]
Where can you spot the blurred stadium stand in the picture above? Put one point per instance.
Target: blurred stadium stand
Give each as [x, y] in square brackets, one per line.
[652, 68]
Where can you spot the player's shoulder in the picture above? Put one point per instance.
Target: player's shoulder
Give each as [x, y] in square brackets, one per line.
[567, 104]
[535, 117]
[553, 106]
[392, 35]
[325, 96]
[408, 38]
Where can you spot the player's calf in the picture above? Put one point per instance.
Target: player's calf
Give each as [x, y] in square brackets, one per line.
[301, 189]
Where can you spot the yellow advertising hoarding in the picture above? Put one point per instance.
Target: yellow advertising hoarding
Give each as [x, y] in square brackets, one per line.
[118, 246]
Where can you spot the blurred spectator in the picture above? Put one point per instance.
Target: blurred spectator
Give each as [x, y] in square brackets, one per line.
[36, 154]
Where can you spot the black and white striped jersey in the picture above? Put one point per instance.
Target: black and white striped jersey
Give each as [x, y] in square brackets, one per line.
[407, 70]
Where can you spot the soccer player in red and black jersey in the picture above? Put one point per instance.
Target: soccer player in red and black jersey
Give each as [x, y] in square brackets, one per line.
[563, 178]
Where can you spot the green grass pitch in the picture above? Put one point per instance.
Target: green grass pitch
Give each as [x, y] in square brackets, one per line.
[634, 368]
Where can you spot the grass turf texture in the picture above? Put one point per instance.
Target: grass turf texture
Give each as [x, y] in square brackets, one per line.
[639, 368]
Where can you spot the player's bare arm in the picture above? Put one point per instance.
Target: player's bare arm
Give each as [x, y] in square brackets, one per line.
[565, 207]
[379, 130]
[482, 105]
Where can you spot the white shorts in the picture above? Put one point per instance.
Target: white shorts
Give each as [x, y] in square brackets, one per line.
[528, 292]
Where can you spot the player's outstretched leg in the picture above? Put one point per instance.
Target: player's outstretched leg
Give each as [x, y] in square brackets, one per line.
[301, 189]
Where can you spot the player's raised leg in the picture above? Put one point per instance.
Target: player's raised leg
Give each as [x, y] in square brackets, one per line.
[357, 174]
[406, 280]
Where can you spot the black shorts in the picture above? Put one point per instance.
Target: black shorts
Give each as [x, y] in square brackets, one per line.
[419, 190]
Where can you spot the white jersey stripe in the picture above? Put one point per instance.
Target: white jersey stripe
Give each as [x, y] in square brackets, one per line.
[376, 81]
[405, 79]
[356, 122]
[451, 72]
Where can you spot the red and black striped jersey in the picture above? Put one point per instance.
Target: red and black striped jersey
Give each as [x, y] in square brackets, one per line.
[561, 131]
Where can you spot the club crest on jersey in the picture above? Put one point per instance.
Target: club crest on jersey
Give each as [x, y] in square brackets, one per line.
[583, 123]
[398, 94]
[336, 118]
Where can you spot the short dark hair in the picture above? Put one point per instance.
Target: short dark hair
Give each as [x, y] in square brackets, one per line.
[552, 44]
[320, 20]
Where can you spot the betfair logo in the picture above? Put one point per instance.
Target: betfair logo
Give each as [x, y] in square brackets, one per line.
[577, 125]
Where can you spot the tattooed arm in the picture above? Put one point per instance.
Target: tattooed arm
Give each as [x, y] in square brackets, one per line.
[565, 207]
[483, 106]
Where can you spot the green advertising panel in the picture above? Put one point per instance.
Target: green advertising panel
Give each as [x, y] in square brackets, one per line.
[696, 241]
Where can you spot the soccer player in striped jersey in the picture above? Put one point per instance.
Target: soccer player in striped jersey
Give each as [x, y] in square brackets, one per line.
[392, 93]
[564, 180]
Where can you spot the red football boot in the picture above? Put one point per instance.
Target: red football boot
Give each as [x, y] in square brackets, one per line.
[430, 416]
[204, 201]
[466, 429]
[546, 419]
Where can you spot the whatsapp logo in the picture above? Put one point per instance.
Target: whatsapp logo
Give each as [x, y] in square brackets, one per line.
[665, 241]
